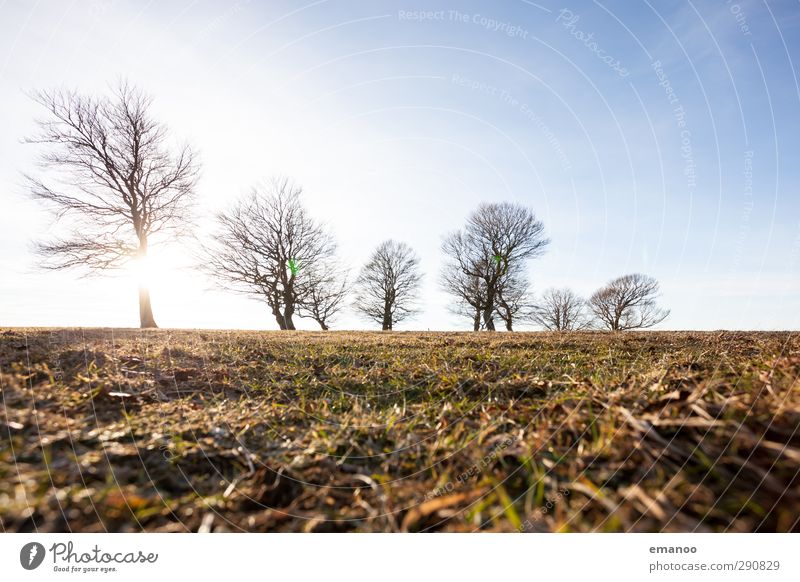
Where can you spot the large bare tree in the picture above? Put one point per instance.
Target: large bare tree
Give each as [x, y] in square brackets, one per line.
[109, 171]
[628, 302]
[493, 248]
[561, 310]
[268, 246]
[387, 287]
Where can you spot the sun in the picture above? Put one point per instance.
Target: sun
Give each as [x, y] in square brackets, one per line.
[172, 276]
[161, 274]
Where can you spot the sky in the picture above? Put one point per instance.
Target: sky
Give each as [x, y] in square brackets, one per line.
[654, 137]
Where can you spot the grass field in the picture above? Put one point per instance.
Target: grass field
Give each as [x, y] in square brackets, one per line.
[123, 430]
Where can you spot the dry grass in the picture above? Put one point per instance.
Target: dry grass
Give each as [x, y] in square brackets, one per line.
[124, 430]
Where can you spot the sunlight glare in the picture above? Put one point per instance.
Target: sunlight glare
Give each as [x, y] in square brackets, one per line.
[142, 271]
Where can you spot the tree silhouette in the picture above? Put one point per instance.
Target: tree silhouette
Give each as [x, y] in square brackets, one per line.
[111, 174]
[628, 302]
[486, 259]
[268, 246]
[387, 287]
[561, 310]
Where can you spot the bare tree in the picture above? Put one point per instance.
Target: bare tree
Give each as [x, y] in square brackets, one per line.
[628, 302]
[561, 310]
[387, 287]
[269, 247]
[327, 290]
[111, 173]
[496, 242]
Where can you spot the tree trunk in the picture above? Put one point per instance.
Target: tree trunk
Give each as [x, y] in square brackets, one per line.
[279, 318]
[287, 318]
[288, 303]
[323, 325]
[145, 309]
[488, 310]
[387, 317]
[617, 318]
[146, 318]
[476, 322]
[509, 318]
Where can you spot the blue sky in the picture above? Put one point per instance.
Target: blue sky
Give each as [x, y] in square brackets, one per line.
[659, 137]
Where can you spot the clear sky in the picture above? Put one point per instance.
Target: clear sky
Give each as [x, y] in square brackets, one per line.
[652, 136]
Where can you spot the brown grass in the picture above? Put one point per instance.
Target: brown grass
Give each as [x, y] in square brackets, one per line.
[122, 430]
